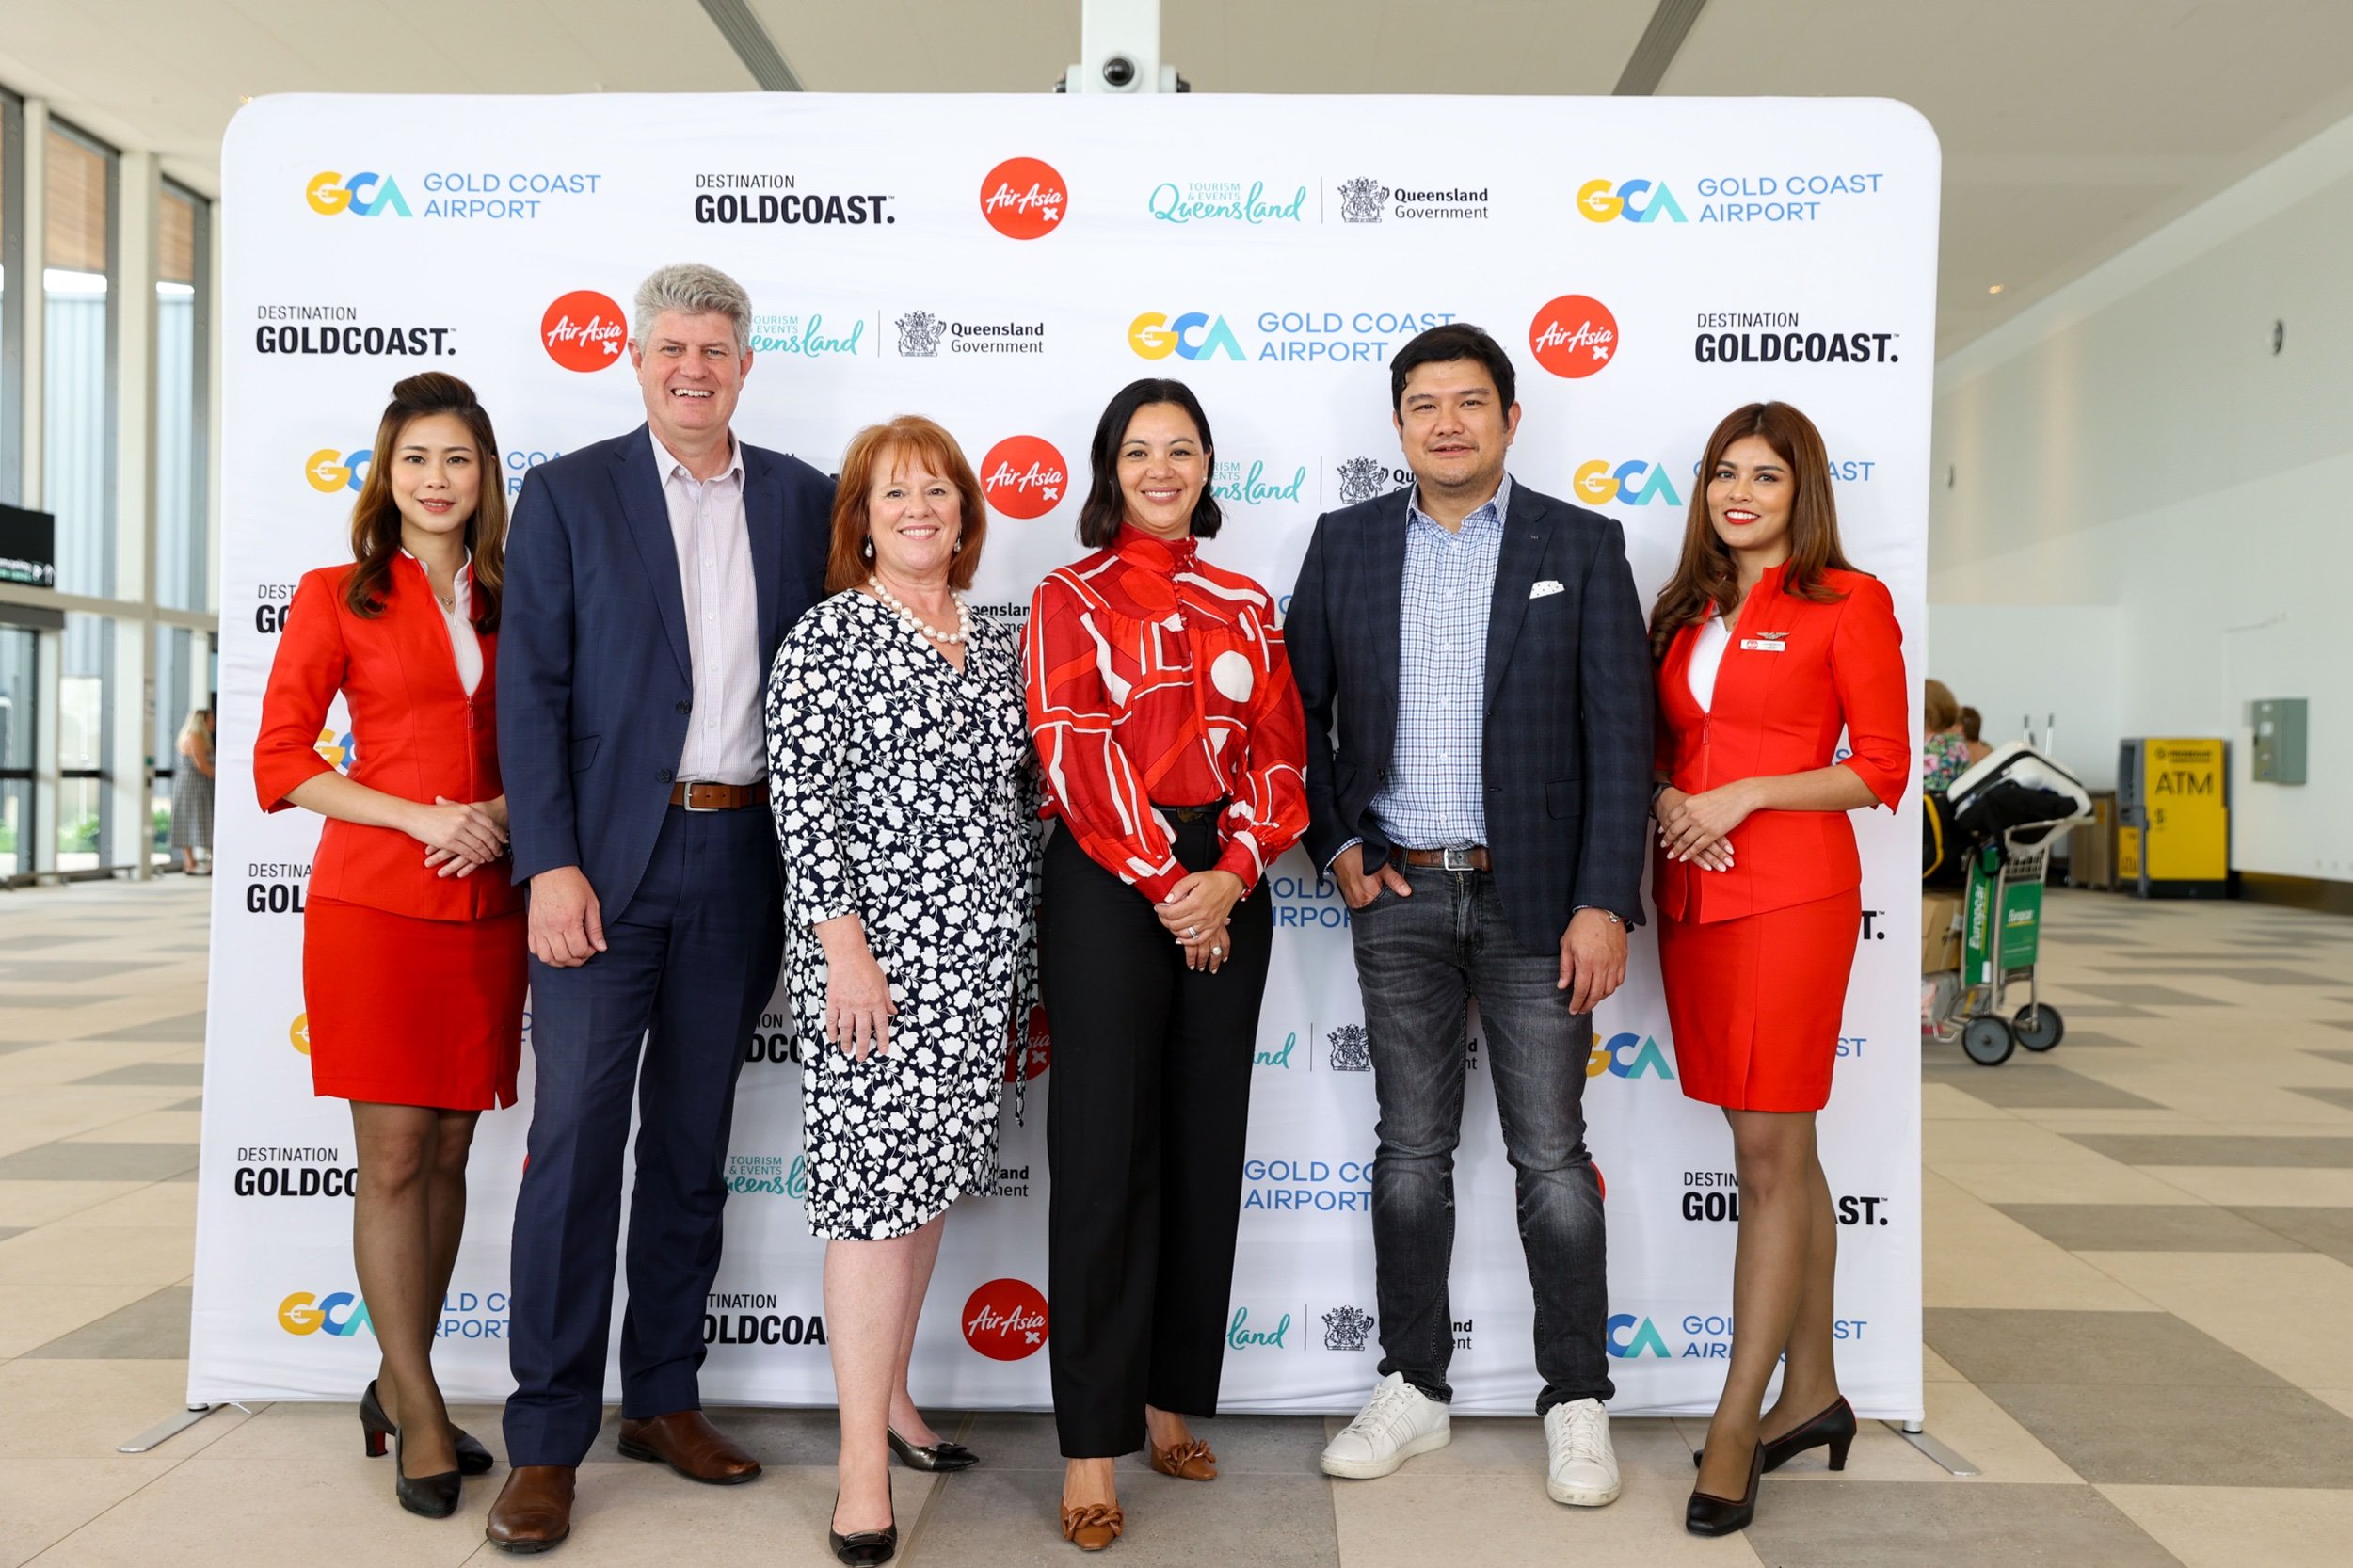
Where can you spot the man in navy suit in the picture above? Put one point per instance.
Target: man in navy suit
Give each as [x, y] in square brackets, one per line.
[1478, 690]
[649, 578]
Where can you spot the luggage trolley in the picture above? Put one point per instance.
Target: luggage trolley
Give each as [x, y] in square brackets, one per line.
[2014, 804]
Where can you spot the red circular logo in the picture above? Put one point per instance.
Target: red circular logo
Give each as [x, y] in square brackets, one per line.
[1024, 476]
[1041, 1048]
[1573, 336]
[584, 330]
[1005, 1320]
[1024, 199]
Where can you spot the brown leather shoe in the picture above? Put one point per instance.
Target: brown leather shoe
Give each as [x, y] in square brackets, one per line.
[535, 1509]
[687, 1442]
[1094, 1527]
[1187, 1461]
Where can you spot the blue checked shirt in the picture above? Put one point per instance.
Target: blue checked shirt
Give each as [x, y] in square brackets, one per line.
[1435, 798]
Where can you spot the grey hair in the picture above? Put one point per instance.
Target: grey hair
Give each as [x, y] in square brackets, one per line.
[696, 290]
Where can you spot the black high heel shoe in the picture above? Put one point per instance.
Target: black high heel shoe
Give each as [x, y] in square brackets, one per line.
[375, 1427]
[1707, 1514]
[863, 1548]
[435, 1497]
[1834, 1427]
[941, 1456]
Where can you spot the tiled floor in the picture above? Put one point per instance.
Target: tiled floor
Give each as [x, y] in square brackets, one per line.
[2139, 1285]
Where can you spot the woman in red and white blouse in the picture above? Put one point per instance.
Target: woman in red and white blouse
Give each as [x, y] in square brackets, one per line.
[1175, 752]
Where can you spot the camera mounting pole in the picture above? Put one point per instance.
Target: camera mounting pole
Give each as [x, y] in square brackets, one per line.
[1119, 50]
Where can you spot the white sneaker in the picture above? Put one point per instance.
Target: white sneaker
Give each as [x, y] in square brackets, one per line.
[1397, 1423]
[1581, 1469]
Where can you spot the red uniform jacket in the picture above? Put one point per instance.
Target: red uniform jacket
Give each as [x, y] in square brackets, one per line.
[414, 733]
[1796, 674]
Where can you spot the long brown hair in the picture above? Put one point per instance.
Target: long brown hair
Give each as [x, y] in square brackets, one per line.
[908, 435]
[375, 516]
[1706, 578]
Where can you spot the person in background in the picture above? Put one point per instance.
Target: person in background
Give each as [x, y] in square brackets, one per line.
[1973, 731]
[1479, 732]
[412, 937]
[906, 811]
[1168, 730]
[1768, 644]
[654, 576]
[1944, 750]
[192, 791]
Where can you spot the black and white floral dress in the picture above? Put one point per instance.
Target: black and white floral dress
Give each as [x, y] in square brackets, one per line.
[904, 794]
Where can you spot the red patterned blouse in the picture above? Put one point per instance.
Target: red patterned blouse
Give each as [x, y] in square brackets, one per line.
[1156, 677]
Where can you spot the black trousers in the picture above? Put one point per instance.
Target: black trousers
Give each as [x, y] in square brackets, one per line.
[1144, 1128]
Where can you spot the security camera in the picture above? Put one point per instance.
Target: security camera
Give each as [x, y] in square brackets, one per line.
[1119, 72]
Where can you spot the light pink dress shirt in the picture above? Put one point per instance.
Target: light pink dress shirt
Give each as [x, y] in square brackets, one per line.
[723, 743]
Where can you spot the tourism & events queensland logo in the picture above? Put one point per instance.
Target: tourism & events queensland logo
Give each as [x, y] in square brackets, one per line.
[1256, 482]
[1024, 199]
[584, 330]
[773, 1176]
[1365, 199]
[328, 470]
[1573, 336]
[1627, 201]
[1228, 202]
[1005, 1320]
[810, 336]
[1024, 476]
[1340, 1049]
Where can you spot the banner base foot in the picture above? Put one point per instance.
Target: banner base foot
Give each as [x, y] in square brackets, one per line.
[165, 1430]
[1916, 1435]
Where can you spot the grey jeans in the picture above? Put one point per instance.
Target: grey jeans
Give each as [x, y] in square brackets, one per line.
[1419, 961]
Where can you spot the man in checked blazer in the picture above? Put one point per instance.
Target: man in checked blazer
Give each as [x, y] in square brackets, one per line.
[1478, 690]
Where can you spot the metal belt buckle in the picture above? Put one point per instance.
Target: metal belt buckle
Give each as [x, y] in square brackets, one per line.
[690, 800]
[1456, 860]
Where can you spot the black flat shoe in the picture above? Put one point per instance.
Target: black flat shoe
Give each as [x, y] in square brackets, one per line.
[1833, 1428]
[864, 1548]
[375, 1427]
[1706, 1515]
[434, 1496]
[941, 1456]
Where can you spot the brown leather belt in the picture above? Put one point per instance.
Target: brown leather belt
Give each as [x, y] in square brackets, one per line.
[1209, 812]
[1471, 859]
[719, 797]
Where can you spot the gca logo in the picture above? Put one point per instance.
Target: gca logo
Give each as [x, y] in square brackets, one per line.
[363, 195]
[1630, 1337]
[329, 472]
[1633, 482]
[341, 1314]
[1627, 1056]
[1636, 202]
[1193, 335]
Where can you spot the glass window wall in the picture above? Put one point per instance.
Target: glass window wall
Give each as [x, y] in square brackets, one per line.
[181, 386]
[77, 448]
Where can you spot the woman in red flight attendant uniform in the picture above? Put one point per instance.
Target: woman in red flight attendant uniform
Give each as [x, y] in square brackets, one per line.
[413, 957]
[1768, 644]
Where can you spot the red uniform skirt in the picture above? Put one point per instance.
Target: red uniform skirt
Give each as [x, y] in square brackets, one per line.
[1755, 1003]
[412, 1012]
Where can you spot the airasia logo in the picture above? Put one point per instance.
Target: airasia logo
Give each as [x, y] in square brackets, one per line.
[1023, 198]
[1041, 1048]
[1573, 336]
[1005, 1320]
[584, 330]
[1025, 477]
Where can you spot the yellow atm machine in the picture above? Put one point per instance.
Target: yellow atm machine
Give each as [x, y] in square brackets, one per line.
[2173, 806]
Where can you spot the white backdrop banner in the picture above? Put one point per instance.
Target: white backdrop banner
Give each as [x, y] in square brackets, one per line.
[1003, 264]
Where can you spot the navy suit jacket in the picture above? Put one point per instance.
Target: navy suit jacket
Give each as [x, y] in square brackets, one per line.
[1566, 755]
[595, 678]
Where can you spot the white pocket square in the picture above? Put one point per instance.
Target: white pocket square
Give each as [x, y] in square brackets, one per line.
[1544, 589]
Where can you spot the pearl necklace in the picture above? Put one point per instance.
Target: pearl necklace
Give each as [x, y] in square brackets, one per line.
[916, 624]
